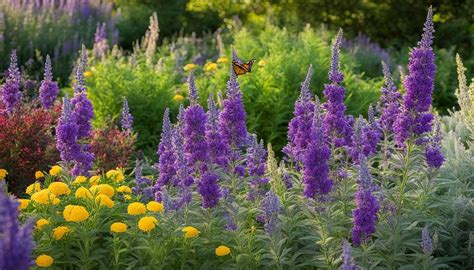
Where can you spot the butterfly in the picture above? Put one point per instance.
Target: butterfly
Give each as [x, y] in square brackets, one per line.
[241, 69]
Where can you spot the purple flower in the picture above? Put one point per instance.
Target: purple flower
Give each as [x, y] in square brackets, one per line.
[240, 170]
[337, 126]
[347, 261]
[300, 124]
[183, 175]
[390, 101]
[49, 89]
[218, 150]
[127, 118]
[434, 156]
[194, 130]
[10, 91]
[271, 207]
[426, 243]
[364, 217]
[415, 118]
[143, 185]
[315, 163]
[232, 118]
[166, 161]
[287, 180]
[209, 189]
[100, 42]
[80, 85]
[256, 163]
[16, 241]
[66, 134]
[83, 113]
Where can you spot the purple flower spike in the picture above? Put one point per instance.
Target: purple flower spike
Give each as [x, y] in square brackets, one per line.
[166, 154]
[193, 94]
[347, 261]
[218, 149]
[127, 118]
[426, 243]
[66, 134]
[143, 186]
[428, 31]
[10, 91]
[390, 101]
[100, 42]
[256, 165]
[209, 189]
[271, 208]
[434, 156]
[335, 75]
[315, 165]
[300, 124]
[49, 89]
[80, 85]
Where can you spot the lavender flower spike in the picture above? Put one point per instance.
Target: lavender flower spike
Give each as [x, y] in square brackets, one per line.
[256, 165]
[347, 261]
[10, 91]
[193, 94]
[49, 89]
[66, 134]
[209, 189]
[271, 208]
[127, 118]
[434, 156]
[80, 85]
[100, 42]
[335, 75]
[218, 150]
[390, 101]
[166, 155]
[426, 243]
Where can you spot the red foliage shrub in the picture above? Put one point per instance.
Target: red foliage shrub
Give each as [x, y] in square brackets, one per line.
[112, 148]
[27, 143]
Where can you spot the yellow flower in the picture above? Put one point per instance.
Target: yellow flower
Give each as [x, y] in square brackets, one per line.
[60, 231]
[136, 209]
[39, 174]
[178, 98]
[105, 189]
[55, 170]
[88, 74]
[147, 223]
[83, 193]
[127, 197]
[155, 207]
[44, 260]
[79, 179]
[55, 201]
[23, 203]
[190, 232]
[44, 196]
[94, 180]
[118, 227]
[35, 187]
[104, 200]
[3, 174]
[222, 60]
[124, 189]
[189, 67]
[59, 188]
[262, 63]
[209, 67]
[115, 175]
[41, 223]
[75, 213]
[222, 251]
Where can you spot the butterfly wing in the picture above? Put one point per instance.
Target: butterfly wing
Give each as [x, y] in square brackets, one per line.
[239, 69]
[248, 65]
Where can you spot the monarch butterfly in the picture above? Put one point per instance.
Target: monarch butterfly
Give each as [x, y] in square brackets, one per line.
[241, 69]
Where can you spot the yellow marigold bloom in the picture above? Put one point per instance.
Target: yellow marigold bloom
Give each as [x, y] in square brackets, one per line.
[44, 260]
[222, 251]
[60, 231]
[262, 63]
[3, 174]
[103, 189]
[127, 197]
[39, 174]
[124, 189]
[136, 209]
[118, 227]
[59, 188]
[75, 213]
[178, 98]
[115, 175]
[155, 206]
[147, 223]
[83, 193]
[41, 223]
[189, 67]
[23, 203]
[94, 180]
[209, 67]
[35, 187]
[79, 179]
[190, 232]
[88, 74]
[55, 201]
[104, 200]
[55, 170]
[44, 196]
[222, 60]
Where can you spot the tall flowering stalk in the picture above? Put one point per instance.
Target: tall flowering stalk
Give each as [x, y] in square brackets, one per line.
[256, 166]
[434, 156]
[415, 118]
[143, 185]
[66, 134]
[218, 150]
[364, 217]
[183, 177]
[194, 130]
[16, 241]
[337, 125]
[271, 207]
[347, 261]
[315, 163]
[10, 91]
[166, 160]
[426, 242]
[300, 124]
[49, 89]
[390, 101]
[101, 44]
[127, 118]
